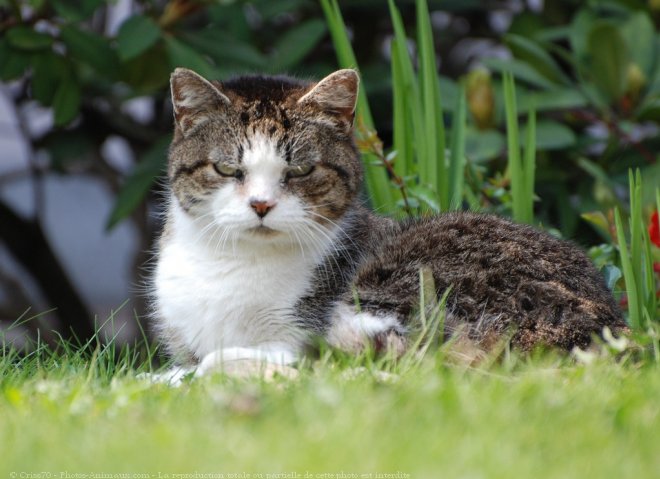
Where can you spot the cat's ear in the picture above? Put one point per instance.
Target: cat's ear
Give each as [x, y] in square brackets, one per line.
[194, 99]
[337, 94]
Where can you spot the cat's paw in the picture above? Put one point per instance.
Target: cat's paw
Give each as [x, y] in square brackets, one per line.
[172, 377]
[248, 362]
[354, 331]
[251, 368]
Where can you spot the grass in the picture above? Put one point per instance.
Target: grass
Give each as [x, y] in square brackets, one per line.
[544, 416]
[69, 415]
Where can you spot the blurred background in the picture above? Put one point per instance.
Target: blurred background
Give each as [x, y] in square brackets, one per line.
[85, 121]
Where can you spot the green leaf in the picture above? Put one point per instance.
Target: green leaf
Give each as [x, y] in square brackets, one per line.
[555, 99]
[76, 10]
[66, 146]
[598, 220]
[25, 38]
[13, 63]
[650, 110]
[609, 60]
[147, 73]
[521, 71]
[425, 196]
[182, 55]
[136, 35]
[49, 69]
[137, 185]
[612, 274]
[448, 89]
[639, 35]
[552, 34]
[66, 102]
[534, 55]
[579, 28]
[552, 135]
[230, 16]
[483, 145]
[296, 44]
[595, 170]
[227, 51]
[269, 10]
[91, 49]
[651, 175]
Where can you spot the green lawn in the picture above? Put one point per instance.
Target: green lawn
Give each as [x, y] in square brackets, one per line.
[541, 417]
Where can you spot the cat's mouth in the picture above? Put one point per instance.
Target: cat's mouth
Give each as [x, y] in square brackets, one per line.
[264, 231]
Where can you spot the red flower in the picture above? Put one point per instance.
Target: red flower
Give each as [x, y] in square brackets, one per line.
[654, 229]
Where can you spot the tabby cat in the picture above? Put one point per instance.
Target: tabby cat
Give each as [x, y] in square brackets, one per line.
[268, 244]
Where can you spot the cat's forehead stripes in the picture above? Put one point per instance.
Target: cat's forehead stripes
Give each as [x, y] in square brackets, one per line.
[274, 124]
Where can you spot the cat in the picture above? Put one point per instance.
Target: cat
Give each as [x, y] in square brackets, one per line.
[268, 244]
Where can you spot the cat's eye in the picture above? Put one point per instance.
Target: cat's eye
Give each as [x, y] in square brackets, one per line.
[299, 170]
[228, 170]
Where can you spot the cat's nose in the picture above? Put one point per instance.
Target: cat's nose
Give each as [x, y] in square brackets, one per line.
[261, 207]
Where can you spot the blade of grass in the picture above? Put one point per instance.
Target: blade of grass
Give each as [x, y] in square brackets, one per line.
[457, 158]
[513, 145]
[407, 86]
[635, 221]
[521, 179]
[641, 253]
[376, 177]
[651, 305]
[651, 298]
[529, 167]
[402, 129]
[433, 167]
[345, 54]
[634, 312]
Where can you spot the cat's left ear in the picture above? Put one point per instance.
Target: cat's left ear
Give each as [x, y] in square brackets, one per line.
[336, 94]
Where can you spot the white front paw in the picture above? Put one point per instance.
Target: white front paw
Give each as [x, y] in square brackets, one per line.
[173, 376]
[245, 362]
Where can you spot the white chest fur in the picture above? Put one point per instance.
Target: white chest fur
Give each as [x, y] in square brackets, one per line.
[241, 295]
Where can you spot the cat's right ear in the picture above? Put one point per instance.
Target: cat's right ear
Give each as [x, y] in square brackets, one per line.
[336, 94]
[194, 99]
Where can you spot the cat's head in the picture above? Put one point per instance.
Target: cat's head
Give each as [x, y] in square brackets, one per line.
[266, 158]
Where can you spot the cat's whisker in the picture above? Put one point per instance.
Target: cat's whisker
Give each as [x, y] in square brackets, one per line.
[300, 244]
[205, 229]
[230, 238]
[323, 250]
[211, 227]
[234, 237]
[321, 230]
[339, 228]
[221, 244]
[338, 252]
